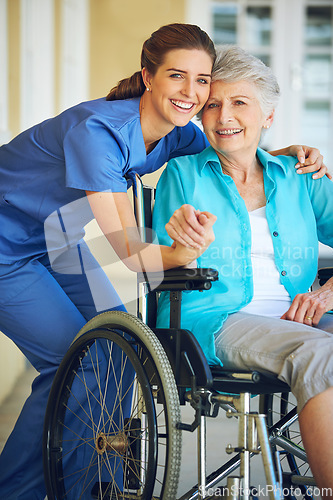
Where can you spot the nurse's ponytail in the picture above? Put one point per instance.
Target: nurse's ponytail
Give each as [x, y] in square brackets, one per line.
[169, 37]
[127, 88]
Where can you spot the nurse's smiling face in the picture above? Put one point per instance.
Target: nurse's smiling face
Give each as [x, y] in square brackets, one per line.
[179, 88]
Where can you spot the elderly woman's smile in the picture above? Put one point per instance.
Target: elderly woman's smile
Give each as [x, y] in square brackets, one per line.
[229, 131]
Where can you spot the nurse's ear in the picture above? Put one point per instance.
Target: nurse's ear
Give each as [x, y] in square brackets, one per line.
[147, 78]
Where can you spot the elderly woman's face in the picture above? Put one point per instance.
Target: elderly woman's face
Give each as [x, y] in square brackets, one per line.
[232, 117]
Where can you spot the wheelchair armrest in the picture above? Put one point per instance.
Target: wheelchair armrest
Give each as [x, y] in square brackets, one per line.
[324, 275]
[180, 279]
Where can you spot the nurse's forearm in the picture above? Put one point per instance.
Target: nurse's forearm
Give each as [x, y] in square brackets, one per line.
[139, 257]
[114, 214]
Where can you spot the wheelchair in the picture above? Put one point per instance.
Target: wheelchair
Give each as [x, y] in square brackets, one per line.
[128, 446]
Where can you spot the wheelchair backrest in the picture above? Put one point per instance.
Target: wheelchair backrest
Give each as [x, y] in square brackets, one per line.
[143, 201]
[143, 198]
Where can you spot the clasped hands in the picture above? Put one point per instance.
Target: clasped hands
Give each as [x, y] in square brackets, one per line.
[191, 231]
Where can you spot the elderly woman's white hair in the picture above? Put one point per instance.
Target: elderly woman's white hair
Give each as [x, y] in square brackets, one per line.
[233, 64]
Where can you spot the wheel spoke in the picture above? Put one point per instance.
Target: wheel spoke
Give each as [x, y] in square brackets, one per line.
[106, 432]
[292, 466]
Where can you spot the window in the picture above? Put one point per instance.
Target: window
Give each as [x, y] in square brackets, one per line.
[317, 102]
[295, 38]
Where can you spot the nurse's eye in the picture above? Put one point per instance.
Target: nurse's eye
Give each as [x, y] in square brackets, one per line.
[176, 75]
[205, 81]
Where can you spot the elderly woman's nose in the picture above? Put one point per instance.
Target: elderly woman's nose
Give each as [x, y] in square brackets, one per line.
[224, 113]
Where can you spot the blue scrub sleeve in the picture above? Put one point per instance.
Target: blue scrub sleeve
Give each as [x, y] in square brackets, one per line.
[95, 157]
[191, 140]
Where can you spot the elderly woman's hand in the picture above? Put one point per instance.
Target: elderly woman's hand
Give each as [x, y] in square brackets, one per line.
[185, 228]
[186, 253]
[310, 160]
[309, 307]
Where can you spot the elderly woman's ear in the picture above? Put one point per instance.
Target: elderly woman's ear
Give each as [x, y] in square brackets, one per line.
[269, 120]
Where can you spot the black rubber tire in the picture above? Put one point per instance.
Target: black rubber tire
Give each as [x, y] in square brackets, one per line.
[156, 473]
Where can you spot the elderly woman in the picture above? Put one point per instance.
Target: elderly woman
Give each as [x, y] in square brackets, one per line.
[260, 314]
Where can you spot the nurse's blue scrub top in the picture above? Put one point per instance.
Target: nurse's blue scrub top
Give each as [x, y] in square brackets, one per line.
[91, 146]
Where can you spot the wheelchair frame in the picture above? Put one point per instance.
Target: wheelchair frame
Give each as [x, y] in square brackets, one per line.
[170, 370]
[253, 435]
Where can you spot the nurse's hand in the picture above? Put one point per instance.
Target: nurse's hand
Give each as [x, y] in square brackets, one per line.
[309, 160]
[185, 228]
[308, 308]
[190, 253]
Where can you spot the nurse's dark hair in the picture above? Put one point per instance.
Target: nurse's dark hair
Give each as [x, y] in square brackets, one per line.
[169, 37]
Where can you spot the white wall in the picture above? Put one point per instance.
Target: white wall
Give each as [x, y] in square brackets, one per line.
[4, 132]
[37, 61]
[12, 363]
[11, 359]
[74, 52]
[37, 92]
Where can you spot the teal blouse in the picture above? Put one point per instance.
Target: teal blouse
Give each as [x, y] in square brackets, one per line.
[299, 213]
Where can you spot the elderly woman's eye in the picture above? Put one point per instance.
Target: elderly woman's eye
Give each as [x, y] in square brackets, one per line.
[239, 103]
[212, 105]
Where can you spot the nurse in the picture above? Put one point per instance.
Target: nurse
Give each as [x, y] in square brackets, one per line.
[60, 174]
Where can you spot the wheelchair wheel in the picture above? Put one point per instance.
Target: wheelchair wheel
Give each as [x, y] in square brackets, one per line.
[285, 436]
[110, 427]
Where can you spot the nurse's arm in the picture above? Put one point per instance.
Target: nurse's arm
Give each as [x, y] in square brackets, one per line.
[114, 214]
[309, 160]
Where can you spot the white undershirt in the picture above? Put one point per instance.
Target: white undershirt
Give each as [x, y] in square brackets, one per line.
[270, 298]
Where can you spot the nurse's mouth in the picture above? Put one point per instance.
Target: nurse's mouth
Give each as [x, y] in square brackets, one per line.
[185, 106]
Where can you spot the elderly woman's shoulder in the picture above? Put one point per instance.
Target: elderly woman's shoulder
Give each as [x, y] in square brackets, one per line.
[193, 162]
[282, 163]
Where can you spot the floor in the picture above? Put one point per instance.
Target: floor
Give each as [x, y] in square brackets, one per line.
[12, 405]
[220, 432]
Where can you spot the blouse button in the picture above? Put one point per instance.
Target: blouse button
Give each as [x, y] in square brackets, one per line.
[284, 273]
[275, 233]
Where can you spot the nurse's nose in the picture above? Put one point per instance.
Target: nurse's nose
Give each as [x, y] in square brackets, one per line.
[188, 88]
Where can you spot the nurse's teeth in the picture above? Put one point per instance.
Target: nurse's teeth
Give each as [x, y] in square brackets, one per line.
[182, 104]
